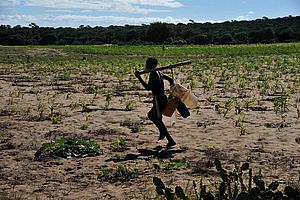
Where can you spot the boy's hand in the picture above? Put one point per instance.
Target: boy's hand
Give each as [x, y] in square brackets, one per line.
[172, 82]
[137, 73]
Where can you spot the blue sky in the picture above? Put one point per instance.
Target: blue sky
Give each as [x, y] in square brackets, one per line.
[72, 13]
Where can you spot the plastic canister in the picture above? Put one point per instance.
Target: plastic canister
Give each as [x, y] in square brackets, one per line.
[185, 95]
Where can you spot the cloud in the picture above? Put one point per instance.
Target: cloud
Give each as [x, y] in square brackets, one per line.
[248, 16]
[76, 20]
[9, 2]
[130, 6]
[166, 3]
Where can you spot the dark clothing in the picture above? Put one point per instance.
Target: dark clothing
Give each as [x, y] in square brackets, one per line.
[156, 85]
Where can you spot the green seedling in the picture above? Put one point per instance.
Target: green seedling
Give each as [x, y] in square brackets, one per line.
[108, 99]
[175, 164]
[84, 105]
[249, 102]
[84, 126]
[55, 118]
[242, 128]
[41, 107]
[208, 82]
[129, 105]
[11, 98]
[226, 86]
[280, 103]
[119, 145]
[121, 173]
[238, 107]
[228, 106]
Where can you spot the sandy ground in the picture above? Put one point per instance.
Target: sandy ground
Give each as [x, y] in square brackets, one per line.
[204, 136]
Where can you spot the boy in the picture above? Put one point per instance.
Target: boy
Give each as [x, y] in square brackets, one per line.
[156, 85]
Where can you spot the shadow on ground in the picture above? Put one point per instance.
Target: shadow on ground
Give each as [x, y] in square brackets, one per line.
[157, 152]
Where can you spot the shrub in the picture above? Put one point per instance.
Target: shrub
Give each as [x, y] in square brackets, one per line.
[68, 147]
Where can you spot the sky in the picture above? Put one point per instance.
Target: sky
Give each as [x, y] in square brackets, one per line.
[73, 13]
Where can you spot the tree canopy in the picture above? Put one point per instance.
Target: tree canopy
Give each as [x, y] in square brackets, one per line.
[263, 30]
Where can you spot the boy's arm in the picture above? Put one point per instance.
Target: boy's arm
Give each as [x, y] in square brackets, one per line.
[138, 75]
[168, 78]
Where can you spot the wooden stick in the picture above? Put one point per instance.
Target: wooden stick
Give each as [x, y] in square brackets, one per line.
[166, 67]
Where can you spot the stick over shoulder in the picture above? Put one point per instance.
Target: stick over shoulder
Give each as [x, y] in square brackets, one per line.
[166, 67]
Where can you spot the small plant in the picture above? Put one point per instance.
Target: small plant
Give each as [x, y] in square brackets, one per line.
[242, 128]
[213, 151]
[41, 107]
[249, 102]
[175, 164]
[55, 118]
[11, 98]
[74, 105]
[68, 147]
[121, 173]
[108, 99]
[280, 103]
[84, 105]
[136, 128]
[226, 86]
[228, 106]
[208, 82]
[238, 107]
[129, 105]
[84, 126]
[280, 106]
[119, 145]
[51, 104]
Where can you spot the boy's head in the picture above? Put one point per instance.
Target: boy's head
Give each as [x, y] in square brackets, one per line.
[151, 63]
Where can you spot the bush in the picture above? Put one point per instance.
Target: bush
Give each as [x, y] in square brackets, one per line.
[68, 147]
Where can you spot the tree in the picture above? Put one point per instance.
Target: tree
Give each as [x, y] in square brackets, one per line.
[199, 39]
[285, 35]
[47, 39]
[264, 30]
[226, 39]
[241, 37]
[33, 25]
[158, 32]
[17, 39]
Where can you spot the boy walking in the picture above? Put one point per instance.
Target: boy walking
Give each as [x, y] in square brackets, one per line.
[156, 85]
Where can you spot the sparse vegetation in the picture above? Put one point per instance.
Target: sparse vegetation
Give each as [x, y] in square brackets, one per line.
[68, 147]
[121, 173]
[232, 187]
[251, 92]
[119, 145]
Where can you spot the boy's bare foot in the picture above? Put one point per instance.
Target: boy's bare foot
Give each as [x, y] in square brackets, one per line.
[161, 137]
[170, 144]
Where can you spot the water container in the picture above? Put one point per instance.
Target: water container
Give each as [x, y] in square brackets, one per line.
[185, 95]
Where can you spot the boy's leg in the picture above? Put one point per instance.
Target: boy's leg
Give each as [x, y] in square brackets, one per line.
[161, 127]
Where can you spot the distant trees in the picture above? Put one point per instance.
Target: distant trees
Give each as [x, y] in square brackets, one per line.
[263, 30]
[199, 39]
[158, 32]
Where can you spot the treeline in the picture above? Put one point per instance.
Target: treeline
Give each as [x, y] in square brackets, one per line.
[263, 30]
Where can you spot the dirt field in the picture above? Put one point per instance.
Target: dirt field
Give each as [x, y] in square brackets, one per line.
[264, 139]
